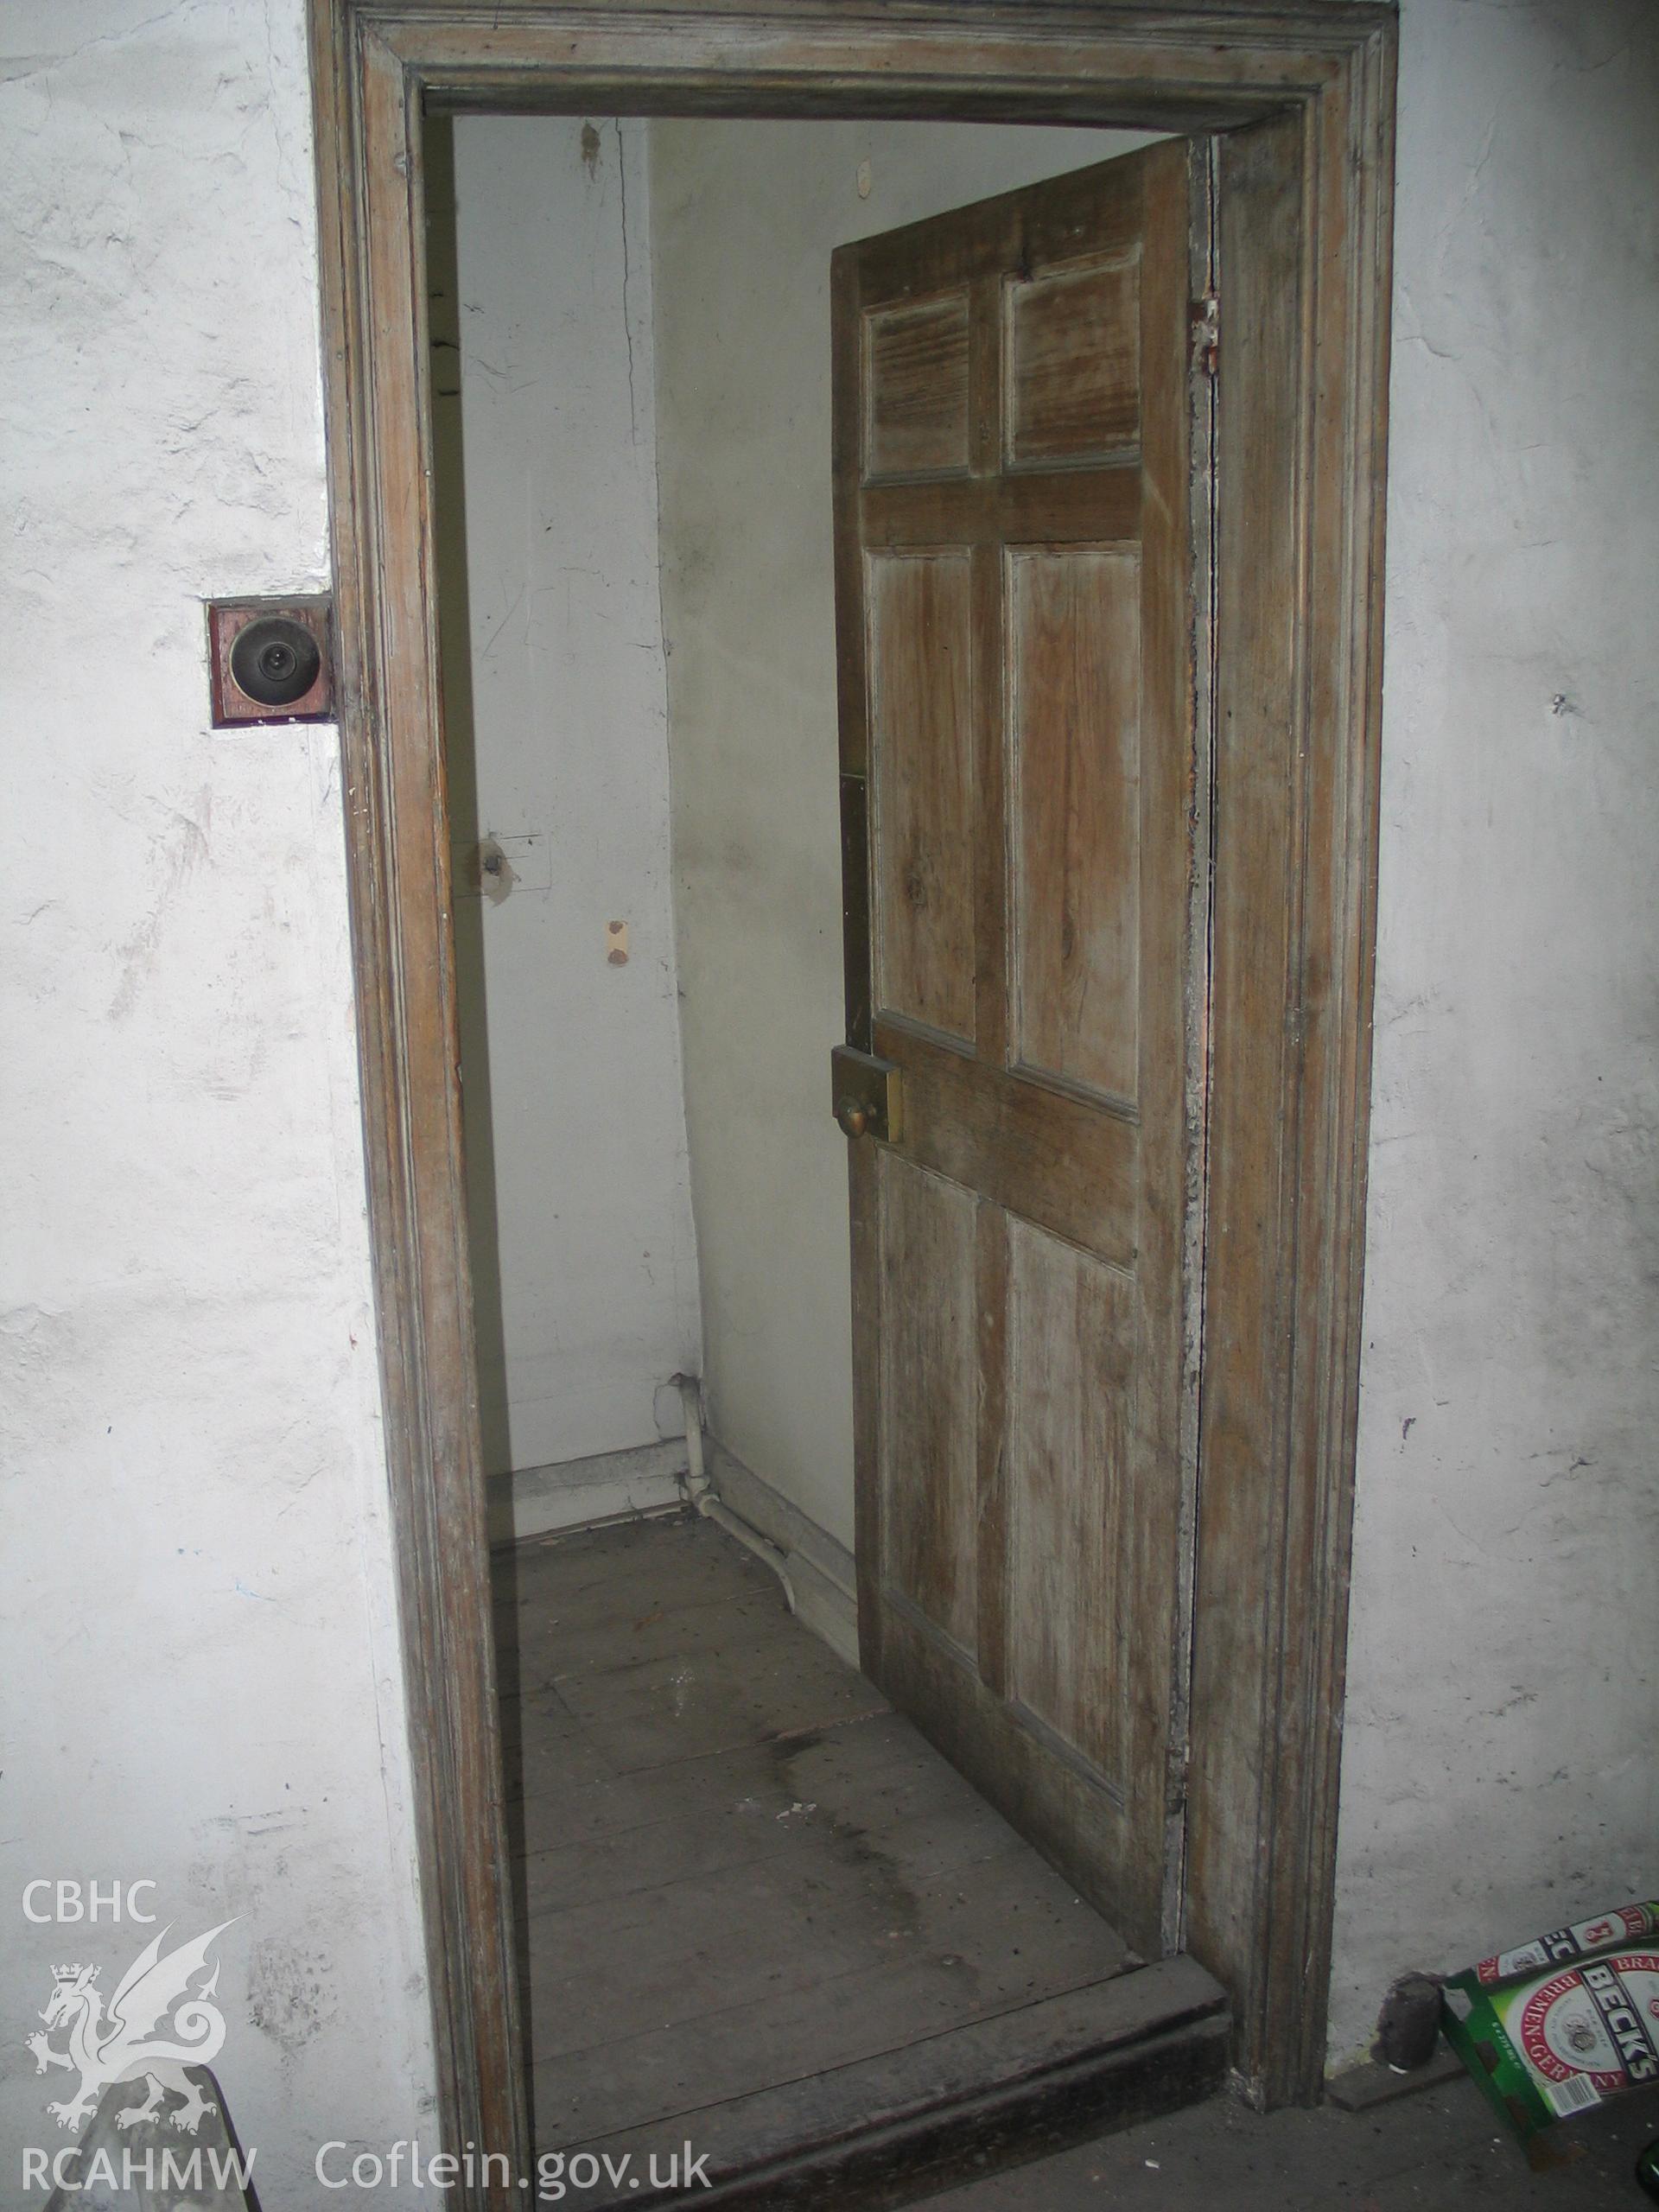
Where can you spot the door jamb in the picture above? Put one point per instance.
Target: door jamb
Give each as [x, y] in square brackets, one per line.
[1298, 689]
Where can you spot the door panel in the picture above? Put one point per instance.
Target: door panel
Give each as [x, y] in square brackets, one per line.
[1073, 374]
[1071, 1360]
[920, 668]
[1074, 745]
[1017, 641]
[929, 1386]
[916, 390]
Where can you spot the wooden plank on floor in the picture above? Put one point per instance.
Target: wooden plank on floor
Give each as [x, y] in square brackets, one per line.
[668, 1642]
[997, 1931]
[870, 1767]
[686, 1709]
[873, 1786]
[802, 2024]
[614, 1803]
[872, 1790]
[596, 1574]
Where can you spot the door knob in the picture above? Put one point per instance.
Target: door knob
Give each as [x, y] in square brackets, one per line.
[865, 1095]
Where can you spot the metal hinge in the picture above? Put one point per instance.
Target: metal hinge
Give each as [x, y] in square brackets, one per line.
[1205, 314]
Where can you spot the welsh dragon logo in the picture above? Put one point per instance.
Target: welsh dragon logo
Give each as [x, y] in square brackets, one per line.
[122, 2044]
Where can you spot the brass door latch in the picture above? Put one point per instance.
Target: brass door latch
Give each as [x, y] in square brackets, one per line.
[866, 1093]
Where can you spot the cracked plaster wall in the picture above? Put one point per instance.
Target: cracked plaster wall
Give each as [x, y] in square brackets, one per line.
[198, 1644]
[1498, 1771]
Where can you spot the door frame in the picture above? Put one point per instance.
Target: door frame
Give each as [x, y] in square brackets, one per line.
[1305, 233]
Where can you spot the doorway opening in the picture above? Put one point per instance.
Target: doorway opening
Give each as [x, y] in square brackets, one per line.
[1300, 104]
[754, 1895]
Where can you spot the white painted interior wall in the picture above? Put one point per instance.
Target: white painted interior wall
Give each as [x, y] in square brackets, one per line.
[198, 1643]
[744, 218]
[585, 1263]
[1499, 1772]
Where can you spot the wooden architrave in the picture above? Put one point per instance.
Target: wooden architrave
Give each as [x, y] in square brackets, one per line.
[1305, 245]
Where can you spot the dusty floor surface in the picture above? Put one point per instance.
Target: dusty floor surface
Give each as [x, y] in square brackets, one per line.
[1436, 2151]
[737, 1868]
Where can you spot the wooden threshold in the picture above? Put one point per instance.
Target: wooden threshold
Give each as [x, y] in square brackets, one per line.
[887, 2130]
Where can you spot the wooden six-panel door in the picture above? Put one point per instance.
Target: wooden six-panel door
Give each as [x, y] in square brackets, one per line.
[1019, 632]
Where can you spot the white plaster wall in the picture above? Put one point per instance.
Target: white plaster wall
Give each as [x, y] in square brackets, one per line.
[202, 1682]
[580, 1192]
[745, 216]
[1499, 1771]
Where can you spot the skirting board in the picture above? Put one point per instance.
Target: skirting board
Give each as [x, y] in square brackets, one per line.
[586, 1493]
[821, 1572]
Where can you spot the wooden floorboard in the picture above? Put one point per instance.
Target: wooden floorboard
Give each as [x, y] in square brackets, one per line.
[991, 1934]
[739, 1871]
[875, 1780]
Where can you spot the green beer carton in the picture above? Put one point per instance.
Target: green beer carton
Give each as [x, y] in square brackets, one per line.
[1548, 2040]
